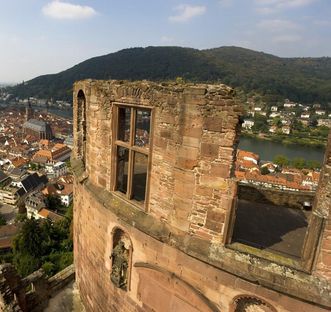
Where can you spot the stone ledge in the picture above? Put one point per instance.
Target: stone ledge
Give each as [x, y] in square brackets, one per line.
[251, 268]
[78, 169]
[145, 85]
[61, 279]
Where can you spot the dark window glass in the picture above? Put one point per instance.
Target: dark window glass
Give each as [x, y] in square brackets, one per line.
[139, 177]
[142, 131]
[124, 120]
[122, 169]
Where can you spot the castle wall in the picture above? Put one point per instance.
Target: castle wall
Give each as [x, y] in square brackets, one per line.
[276, 197]
[179, 254]
[194, 134]
[150, 289]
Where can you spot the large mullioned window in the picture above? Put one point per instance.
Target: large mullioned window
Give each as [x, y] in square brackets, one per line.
[132, 151]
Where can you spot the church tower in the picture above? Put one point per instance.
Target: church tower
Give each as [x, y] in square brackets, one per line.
[28, 112]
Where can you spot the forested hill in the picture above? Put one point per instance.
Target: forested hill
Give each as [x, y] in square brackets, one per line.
[300, 79]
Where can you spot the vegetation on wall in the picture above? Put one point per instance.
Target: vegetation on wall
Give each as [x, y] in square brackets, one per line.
[2, 220]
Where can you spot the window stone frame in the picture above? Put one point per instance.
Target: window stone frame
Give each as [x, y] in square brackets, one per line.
[132, 150]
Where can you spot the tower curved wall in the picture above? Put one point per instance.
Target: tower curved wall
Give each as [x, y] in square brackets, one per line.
[176, 252]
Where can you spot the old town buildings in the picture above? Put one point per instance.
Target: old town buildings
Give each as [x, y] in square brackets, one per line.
[33, 169]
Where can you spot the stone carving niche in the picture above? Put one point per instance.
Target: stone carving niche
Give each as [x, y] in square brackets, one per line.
[121, 259]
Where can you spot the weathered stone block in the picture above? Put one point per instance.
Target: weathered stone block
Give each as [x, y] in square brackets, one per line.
[191, 141]
[214, 183]
[166, 134]
[220, 170]
[204, 191]
[187, 157]
[102, 181]
[192, 132]
[213, 124]
[215, 220]
[209, 150]
[160, 142]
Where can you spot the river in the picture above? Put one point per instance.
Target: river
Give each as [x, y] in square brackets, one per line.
[67, 113]
[268, 150]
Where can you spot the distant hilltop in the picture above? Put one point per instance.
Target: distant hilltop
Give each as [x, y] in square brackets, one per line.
[6, 84]
[306, 80]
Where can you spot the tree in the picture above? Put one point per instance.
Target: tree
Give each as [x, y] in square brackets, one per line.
[297, 125]
[322, 131]
[20, 217]
[313, 164]
[29, 239]
[49, 268]
[43, 243]
[264, 171]
[277, 122]
[25, 264]
[260, 123]
[53, 202]
[281, 160]
[27, 248]
[313, 121]
[298, 162]
[34, 166]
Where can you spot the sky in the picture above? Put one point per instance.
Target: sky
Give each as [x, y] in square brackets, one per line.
[47, 36]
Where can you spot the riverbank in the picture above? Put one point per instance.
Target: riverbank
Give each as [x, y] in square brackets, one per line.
[313, 142]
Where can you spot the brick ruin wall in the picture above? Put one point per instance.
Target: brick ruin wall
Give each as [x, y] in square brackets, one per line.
[180, 260]
[33, 292]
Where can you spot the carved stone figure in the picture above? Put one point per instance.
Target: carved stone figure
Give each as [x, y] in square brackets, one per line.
[119, 274]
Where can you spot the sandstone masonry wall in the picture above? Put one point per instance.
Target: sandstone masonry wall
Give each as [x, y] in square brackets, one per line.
[149, 289]
[323, 207]
[180, 258]
[194, 135]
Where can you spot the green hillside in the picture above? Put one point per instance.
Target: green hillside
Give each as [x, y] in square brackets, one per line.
[301, 79]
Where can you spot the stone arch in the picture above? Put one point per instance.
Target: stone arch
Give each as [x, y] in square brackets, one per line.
[247, 303]
[160, 290]
[81, 125]
[121, 259]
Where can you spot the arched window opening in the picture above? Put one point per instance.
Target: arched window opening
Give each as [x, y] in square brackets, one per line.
[121, 259]
[248, 304]
[81, 126]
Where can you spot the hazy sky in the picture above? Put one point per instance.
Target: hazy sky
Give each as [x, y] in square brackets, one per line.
[44, 36]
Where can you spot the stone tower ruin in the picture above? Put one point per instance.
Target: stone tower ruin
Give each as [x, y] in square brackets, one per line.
[155, 207]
